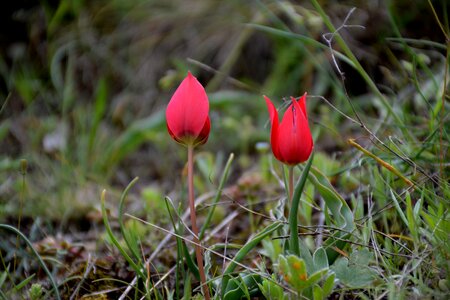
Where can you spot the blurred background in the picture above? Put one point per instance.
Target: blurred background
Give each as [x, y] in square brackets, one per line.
[84, 86]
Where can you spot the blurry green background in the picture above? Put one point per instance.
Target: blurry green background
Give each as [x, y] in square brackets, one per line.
[84, 85]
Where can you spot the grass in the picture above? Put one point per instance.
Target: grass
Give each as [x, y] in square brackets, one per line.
[83, 98]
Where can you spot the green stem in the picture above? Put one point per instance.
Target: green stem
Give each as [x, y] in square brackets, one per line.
[198, 249]
[291, 182]
[293, 222]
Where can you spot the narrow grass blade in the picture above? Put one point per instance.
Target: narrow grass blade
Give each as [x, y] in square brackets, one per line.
[187, 286]
[412, 221]
[223, 179]
[114, 240]
[24, 282]
[399, 209]
[131, 244]
[180, 243]
[41, 262]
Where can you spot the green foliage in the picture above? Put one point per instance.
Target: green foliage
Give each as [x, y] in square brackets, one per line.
[36, 292]
[241, 254]
[293, 213]
[21, 285]
[295, 274]
[243, 286]
[83, 100]
[355, 271]
[272, 290]
[129, 244]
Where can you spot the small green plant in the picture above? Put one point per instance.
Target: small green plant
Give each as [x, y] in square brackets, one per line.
[36, 292]
[294, 272]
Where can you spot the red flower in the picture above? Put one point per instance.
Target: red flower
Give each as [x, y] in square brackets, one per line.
[187, 113]
[291, 140]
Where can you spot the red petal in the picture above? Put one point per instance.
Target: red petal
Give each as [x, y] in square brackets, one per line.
[273, 114]
[302, 102]
[204, 134]
[294, 136]
[187, 110]
[302, 105]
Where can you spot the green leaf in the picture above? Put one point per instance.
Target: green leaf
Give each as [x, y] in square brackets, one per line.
[3, 277]
[317, 292]
[397, 206]
[320, 259]
[271, 289]
[417, 209]
[24, 283]
[293, 213]
[341, 215]
[295, 274]
[412, 225]
[244, 286]
[354, 271]
[341, 212]
[187, 286]
[328, 284]
[316, 277]
[271, 249]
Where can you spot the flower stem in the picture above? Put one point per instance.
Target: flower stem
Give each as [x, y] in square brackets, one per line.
[293, 240]
[198, 249]
[291, 182]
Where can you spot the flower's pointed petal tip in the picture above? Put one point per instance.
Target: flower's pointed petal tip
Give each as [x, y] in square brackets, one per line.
[302, 102]
[303, 97]
[191, 78]
[273, 114]
[269, 104]
[296, 103]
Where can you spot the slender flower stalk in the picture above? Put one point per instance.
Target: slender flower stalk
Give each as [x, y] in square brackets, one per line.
[293, 212]
[188, 124]
[291, 182]
[198, 249]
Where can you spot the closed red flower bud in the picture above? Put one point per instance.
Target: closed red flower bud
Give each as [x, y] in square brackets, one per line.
[187, 113]
[291, 139]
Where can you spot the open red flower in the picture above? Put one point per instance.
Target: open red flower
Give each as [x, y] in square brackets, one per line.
[187, 113]
[291, 139]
